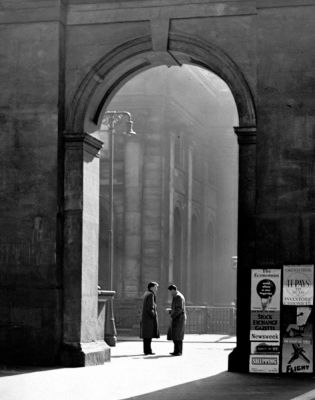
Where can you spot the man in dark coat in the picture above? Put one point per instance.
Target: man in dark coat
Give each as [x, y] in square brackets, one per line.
[149, 326]
[178, 316]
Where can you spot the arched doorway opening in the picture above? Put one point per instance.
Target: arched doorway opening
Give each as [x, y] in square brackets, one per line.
[100, 85]
[177, 172]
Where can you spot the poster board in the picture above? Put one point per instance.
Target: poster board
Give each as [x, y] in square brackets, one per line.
[265, 321]
[297, 358]
[298, 287]
[265, 289]
[264, 364]
[265, 348]
[265, 325]
[297, 339]
[281, 320]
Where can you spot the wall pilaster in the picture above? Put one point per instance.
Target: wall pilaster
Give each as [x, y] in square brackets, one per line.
[246, 243]
[80, 345]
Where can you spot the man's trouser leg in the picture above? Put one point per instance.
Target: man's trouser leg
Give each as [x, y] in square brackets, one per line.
[147, 346]
[177, 346]
[180, 346]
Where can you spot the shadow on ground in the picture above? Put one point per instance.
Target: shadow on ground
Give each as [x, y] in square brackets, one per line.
[228, 385]
[21, 370]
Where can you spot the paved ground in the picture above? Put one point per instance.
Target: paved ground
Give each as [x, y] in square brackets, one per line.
[200, 374]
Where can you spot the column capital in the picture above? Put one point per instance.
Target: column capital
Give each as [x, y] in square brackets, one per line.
[246, 134]
[90, 143]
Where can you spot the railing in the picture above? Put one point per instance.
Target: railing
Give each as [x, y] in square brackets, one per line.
[200, 319]
[205, 319]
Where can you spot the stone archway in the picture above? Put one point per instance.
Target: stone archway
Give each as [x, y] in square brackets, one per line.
[121, 64]
[127, 60]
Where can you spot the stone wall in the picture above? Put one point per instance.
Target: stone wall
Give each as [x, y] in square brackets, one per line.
[285, 147]
[30, 281]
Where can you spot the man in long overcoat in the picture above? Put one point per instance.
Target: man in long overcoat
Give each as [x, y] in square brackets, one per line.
[149, 326]
[178, 315]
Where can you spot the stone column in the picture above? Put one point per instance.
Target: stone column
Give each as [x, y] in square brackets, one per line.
[81, 345]
[171, 211]
[151, 207]
[189, 222]
[239, 358]
[133, 212]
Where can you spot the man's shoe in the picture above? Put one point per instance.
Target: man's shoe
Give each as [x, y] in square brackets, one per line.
[149, 354]
[175, 354]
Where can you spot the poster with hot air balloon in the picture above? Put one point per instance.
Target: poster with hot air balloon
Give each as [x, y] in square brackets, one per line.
[265, 289]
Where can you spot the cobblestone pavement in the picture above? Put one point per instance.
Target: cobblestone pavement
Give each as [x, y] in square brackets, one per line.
[201, 373]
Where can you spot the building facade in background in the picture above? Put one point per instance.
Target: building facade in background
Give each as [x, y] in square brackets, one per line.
[175, 194]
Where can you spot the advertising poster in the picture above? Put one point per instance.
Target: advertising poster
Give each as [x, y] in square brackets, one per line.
[297, 358]
[298, 288]
[265, 325]
[297, 325]
[264, 364]
[268, 336]
[265, 289]
[265, 347]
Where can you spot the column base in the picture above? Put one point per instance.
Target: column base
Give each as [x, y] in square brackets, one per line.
[85, 354]
[238, 361]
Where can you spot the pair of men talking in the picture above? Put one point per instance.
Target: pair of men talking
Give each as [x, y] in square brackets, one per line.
[149, 326]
